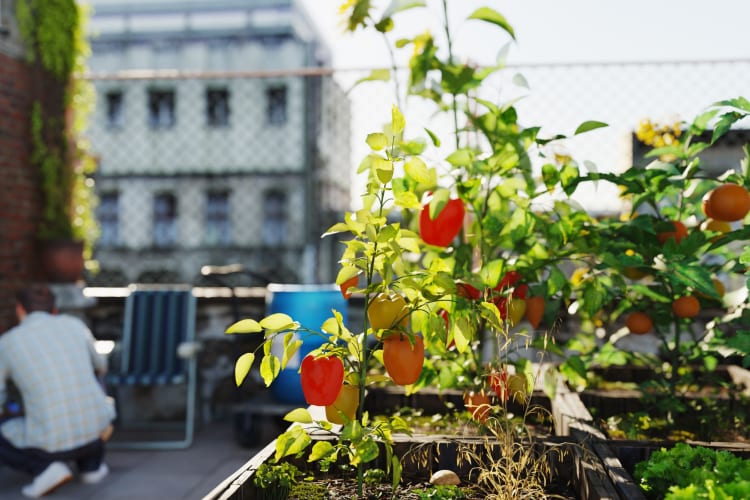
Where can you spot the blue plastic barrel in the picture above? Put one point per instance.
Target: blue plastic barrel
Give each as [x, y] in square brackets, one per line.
[310, 306]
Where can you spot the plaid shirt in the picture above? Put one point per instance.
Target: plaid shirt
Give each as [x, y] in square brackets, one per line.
[52, 361]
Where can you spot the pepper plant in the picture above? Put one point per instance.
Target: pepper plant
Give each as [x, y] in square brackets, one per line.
[337, 372]
[497, 221]
[657, 269]
[452, 238]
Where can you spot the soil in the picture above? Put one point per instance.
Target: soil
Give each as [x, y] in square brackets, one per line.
[345, 489]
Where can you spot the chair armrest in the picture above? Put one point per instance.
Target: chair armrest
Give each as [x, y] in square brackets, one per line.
[104, 347]
[188, 350]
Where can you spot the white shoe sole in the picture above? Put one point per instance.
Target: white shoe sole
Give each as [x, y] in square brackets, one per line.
[54, 476]
[96, 476]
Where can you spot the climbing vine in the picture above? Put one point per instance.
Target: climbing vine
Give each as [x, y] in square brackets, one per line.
[55, 37]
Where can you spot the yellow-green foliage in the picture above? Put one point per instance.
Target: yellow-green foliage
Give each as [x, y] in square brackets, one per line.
[54, 33]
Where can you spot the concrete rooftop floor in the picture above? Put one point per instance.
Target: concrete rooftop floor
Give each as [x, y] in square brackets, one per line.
[155, 475]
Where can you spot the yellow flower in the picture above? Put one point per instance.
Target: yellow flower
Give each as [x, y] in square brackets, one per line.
[578, 276]
[562, 159]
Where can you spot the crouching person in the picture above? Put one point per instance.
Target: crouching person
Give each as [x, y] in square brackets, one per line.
[52, 362]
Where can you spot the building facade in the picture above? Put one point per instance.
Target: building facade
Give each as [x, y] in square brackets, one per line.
[222, 138]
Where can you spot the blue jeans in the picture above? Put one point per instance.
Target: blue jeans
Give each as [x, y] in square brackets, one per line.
[33, 461]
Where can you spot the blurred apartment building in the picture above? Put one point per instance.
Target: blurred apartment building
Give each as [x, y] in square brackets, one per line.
[222, 138]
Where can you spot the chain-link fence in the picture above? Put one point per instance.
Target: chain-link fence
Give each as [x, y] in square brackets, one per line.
[210, 168]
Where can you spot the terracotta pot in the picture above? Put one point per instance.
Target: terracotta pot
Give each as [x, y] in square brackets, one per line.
[61, 260]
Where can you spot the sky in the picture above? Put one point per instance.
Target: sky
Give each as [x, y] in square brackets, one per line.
[553, 31]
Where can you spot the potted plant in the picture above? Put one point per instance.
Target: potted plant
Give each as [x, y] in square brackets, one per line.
[54, 35]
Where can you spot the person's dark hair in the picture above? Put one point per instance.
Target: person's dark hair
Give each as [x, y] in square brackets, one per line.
[36, 297]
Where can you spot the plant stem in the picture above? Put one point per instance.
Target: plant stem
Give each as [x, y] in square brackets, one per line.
[449, 40]
[363, 354]
[394, 69]
[675, 357]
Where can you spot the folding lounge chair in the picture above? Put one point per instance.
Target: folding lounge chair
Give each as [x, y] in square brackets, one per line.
[158, 349]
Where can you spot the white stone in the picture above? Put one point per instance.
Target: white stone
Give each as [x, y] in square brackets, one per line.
[445, 476]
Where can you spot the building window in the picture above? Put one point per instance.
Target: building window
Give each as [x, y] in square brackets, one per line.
[218, 228]
[165, 220]
[161, 108]
[3, 17]
[276, 110]
[274, 218]
[115, 111]
[217, 107]
[108, 214]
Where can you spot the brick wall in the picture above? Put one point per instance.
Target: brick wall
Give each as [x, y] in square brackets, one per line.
[19, 194]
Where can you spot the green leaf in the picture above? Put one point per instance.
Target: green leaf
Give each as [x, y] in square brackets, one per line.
[339, 227]
[269, 368]
[520, 81]
[462, 334]
[346, 273]
[550, 175]
[396, 471]
[277, 322]
[384, 171]
[242, 367]
[491, 272]
[332, 326]
[397, 6]
[321, 450]
[588, 126]
[694, 276]
[291, 346]
[417, 169]
[710, 362]
[738, 103]
[568, 177]
[409, 244]
[492, 16]
[433, 137]
[407, 200]
[551, 381]
[740, 341]
[557, 280]
[397, 121]
[299, 415]
[610, 355]
[292, 442]
[574, 371]
[377, 141]
[244, 326]
[438, 202]
[724, 123]
[365, 451]
[382, 75]
[460, 158]
[489, 311]
[700, 123]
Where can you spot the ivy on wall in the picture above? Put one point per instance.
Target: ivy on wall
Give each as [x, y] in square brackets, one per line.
[55, 37]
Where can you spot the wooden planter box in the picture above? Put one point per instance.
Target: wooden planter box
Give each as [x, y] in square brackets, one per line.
[606, 403]
[423, 455]
[621, 456]
[580, 466]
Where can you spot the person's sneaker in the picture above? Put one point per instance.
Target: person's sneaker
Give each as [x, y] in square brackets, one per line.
[95, 476]
[55, 475]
